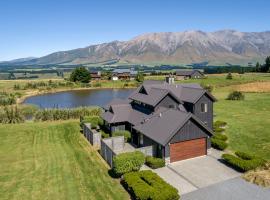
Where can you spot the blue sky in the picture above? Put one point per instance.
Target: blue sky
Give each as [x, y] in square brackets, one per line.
[37, 28]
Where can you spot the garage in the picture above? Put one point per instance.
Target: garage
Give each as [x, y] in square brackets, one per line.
[187, 149]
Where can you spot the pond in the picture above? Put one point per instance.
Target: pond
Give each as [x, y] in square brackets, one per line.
[76, 98]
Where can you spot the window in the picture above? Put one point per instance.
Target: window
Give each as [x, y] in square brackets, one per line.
[204, 107]
[171, 106]
[141, 139]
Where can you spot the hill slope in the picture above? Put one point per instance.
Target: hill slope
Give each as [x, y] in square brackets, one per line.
[220, 47]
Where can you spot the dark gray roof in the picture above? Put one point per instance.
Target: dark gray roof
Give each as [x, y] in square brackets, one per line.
[186, 72]
[117, 101]
[123, 113]
[188, 92]
[162, 126]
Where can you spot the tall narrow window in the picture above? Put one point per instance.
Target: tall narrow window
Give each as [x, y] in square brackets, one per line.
[203, 107]
[141, 139]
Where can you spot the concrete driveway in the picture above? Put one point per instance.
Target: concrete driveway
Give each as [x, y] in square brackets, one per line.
[203, 171]
[193, 174]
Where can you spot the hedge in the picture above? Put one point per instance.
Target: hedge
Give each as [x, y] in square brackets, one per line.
[94, 120]
[219, 123]
[218, 129]
[220, 136]
[126, 134]
[154, 163]
[127, 162]
[243, 161]
[147, 185]
[218, 144]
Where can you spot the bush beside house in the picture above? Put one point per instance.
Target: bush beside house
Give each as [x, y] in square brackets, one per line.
[126, 134]
[218, 141]
[242, 161]
[95, 121]
[127, 162]
[145, 185]
[154, 163]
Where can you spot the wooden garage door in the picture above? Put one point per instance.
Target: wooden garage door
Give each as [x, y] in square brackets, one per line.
[187, 149]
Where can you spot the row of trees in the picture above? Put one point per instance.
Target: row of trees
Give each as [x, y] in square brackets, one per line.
[265, 67]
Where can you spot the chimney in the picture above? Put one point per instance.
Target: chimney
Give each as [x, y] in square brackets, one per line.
[170, 79]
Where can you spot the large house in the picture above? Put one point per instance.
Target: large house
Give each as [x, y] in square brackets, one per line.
[123, 74]
[176, 119]
[187, 74]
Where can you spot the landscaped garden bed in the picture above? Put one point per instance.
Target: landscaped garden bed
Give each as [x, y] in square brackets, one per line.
[147, 185]
[242, 161]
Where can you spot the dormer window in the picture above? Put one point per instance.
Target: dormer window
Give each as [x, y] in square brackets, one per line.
[204, 107]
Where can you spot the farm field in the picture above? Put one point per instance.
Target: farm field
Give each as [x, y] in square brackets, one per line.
[52, 161]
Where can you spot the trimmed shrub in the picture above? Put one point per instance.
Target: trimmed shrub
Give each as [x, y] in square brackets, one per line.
[218, 129]
[236, 95]
[104, 134]
[94, 120]
[147, 185]
[154, 163]
[126, 134]
[243, 162]
[244, 156]
[127, 162]
[218, 144]
[220, 136]
[219, 123]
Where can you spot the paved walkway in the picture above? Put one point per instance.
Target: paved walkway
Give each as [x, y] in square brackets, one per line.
[233, 189]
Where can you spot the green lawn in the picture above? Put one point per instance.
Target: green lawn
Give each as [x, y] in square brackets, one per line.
[248, 122]
[52, 161]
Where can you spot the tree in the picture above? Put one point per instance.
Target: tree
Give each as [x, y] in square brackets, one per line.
[267, 64]
[258, 67]
[140, 77]
[229, 76]
[80, 74]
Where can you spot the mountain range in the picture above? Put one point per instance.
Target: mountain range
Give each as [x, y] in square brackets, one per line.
[215, 48]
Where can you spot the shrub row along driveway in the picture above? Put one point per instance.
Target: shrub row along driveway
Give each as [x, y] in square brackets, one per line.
[190, 175]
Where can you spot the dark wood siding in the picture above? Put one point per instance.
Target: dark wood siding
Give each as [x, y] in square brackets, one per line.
[206, 117]
[191, 130]
[187, 149]
[168, 102]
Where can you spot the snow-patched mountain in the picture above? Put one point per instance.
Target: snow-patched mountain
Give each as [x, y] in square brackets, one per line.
[220, 47]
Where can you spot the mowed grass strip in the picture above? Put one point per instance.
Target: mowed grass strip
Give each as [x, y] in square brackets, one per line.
[248, 123]
[52, 161]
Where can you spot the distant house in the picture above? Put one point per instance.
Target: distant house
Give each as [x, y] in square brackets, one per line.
[175, 119]
[95, 75]
[123, 74]
[187, 74]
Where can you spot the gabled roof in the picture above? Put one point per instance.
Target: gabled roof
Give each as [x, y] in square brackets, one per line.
[162, 126]
[121, 71]
[187, 72]
[155, 91]
[123, 113]
[117, 101]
